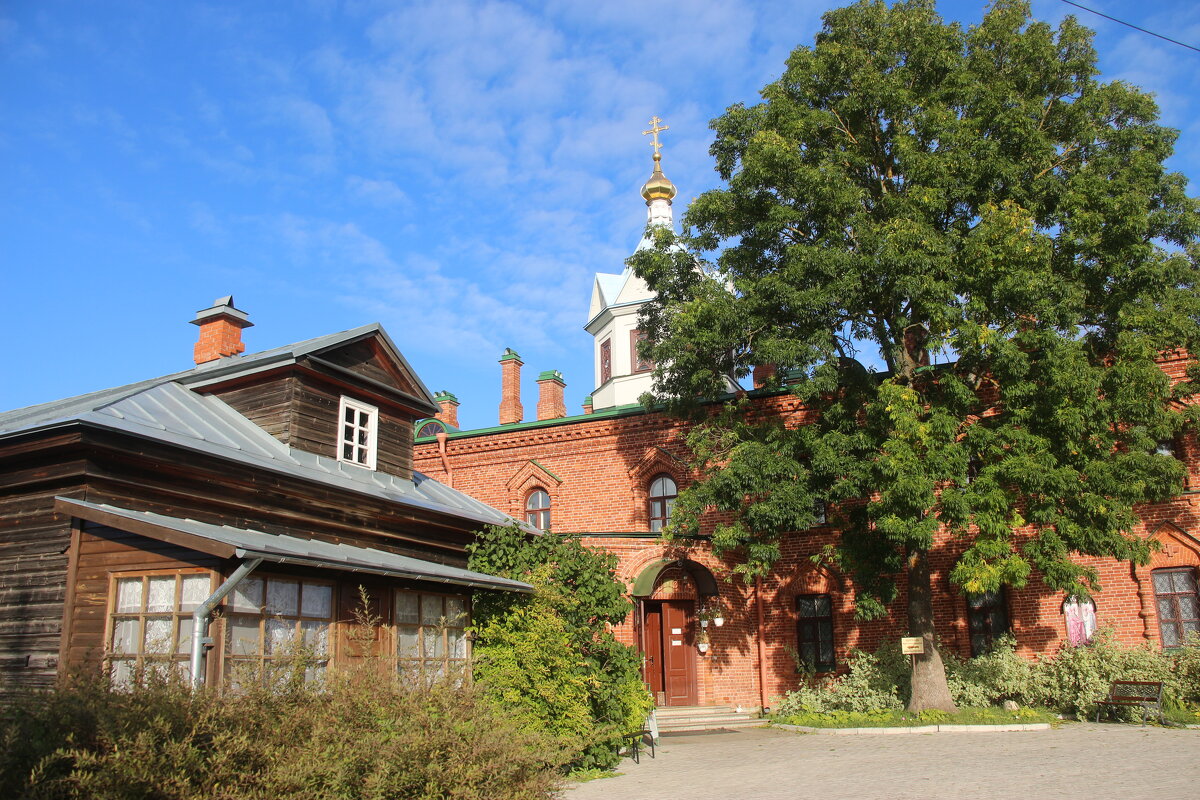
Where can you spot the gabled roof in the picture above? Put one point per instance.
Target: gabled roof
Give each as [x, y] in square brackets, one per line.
[164, 410]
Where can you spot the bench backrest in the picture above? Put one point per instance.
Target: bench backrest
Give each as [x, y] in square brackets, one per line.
[1136, 690]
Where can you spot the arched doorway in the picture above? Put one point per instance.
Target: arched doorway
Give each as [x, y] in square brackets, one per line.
[668, 593]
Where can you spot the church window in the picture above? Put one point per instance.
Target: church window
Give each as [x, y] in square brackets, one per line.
[639, 362]
[606, 361]
[537, 509]
[150, 623]
[814, 632]
[663, 492]
[358, 430]
[430, 632]
[987, 619]
[1178, 605]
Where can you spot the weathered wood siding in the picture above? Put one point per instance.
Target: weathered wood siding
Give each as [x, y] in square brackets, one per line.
[267, 404]
[361, 357]
[316, 427]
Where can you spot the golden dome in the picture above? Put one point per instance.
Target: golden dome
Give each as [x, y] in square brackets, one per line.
[659, 187]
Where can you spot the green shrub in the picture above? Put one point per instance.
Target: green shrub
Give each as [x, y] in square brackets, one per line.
[551, 657]
[866, 687]
[366, 735]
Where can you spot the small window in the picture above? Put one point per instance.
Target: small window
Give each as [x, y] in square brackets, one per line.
[663, 492]
[820, 513]
[358, 431]
[537, 509]
[431, 428]
[150, 623]
[639, 363]
[814, 632]
[271, 622]
[987, 619]
[430, 632]
[1178, 605]
[606, 361]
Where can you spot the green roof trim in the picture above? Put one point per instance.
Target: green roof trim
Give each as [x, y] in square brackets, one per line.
[440, 396]
[551, 375]
[509, 354]
[542, 467]
[605, 413]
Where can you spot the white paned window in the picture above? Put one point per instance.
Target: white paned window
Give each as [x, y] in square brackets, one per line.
[150, 624]
[358, 429]
[276, 625]
[430, 632]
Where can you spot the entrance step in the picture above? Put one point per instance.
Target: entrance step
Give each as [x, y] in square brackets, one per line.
[687, 719]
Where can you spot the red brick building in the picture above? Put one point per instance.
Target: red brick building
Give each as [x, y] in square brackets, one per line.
[609, 475]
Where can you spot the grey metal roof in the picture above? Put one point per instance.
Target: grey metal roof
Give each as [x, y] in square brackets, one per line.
[285, 549]
[164, 410]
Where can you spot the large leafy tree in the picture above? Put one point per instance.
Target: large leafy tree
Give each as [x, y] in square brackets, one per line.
[965, 255]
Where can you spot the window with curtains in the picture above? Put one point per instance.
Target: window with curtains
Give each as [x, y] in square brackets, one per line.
[150, 622]
[430, 632]
[273, 624]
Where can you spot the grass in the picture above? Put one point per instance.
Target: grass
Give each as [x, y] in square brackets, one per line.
[904, 719]
[1189, 715]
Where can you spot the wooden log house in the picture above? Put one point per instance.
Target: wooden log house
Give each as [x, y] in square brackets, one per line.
[124, 510]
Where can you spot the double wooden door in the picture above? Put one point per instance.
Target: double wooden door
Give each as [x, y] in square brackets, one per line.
[669, 646]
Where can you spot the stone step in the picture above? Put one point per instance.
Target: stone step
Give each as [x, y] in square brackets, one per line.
[681, 719]
[734, 724]
[683, 711]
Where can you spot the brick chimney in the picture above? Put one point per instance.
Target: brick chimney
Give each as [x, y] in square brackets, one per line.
[762, 374]
[220, 331]
[511, 411]
[587, 404]
[449, 412]
[550, 395]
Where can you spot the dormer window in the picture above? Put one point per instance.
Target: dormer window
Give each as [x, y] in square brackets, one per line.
[358, 433]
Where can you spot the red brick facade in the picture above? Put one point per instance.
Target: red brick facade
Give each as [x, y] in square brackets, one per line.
[597, 471]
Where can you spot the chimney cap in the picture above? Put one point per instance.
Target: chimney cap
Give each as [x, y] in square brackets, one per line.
[223, 307]
[509, 355]
[551, 375]
[443, 397]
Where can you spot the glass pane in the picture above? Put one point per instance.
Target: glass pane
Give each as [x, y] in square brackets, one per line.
[1162, 582]
[242, 636]
[406, 641]
[348, 452]
[161, 594]
[456, 611]
[121, 673]
[361, 458]
[808, 653]
[1189, 606]
[184, 639]
[456, 643]
[315, 674]
[125, 636]
[1182, 581]
[279, 634]
[248, 595]
[129, 595]
[283, 597]
[184, 669]
[433, 642]
[349, 415]
[196, 589]
[316, 600]
[826, 654]
[1166, 610]
[806, 606]
[822, 606]
[316, 637]
[406, 607]
[1170, 635]
[431, 609]
[362, 437]
[158, 635]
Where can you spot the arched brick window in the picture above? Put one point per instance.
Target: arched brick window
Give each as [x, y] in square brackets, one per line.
[1178, 605]
[537, 509]
[663, 492]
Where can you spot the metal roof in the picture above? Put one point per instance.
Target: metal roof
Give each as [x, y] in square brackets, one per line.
[226, 541]
[164, 410]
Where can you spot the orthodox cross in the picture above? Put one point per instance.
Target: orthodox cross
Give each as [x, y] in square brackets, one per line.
[654, 129]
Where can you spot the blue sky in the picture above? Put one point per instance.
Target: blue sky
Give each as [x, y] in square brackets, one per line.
[455, 170]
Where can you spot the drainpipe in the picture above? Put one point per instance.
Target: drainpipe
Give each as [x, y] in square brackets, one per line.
[441, 440]
[762, 661]
[203, 615]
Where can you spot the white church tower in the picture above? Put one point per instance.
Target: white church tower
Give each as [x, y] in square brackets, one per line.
[621, 376]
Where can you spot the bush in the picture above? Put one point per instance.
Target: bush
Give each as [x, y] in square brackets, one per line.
[866, 687]
[551, 657]
[365, 735]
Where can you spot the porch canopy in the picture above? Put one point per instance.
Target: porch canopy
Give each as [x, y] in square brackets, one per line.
[647, 579]
[224, 541]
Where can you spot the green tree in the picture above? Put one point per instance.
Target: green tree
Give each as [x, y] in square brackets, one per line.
[551, 658]
[914, 191]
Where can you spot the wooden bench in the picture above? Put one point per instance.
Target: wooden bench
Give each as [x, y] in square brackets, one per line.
[1145, 695]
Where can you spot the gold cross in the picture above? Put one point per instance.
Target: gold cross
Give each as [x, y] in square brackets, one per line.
[654, 129]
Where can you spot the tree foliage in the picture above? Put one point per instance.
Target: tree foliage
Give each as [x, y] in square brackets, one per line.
[551, 658]
[964, 253]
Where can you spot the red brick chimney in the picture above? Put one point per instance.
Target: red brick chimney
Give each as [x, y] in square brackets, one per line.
[511, 411]
[762, 374]
[220, 331]
[449, 412]
[550, 395]
[587, 404]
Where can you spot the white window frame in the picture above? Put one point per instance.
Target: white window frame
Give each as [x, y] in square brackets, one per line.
[372, 432]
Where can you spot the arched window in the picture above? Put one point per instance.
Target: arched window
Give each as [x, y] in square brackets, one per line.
[537, 509]
[663, 492]
[1178, 601]
[431, 428]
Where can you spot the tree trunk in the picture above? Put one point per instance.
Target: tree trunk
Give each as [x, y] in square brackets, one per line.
[929, 687]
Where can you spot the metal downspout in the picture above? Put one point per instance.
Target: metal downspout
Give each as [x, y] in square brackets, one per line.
[203, 615]
[762, 661]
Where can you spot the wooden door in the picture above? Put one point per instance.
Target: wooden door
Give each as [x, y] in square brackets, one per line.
[679, 653]
[652, 648]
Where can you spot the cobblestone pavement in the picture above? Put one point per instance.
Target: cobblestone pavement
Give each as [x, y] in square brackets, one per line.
[1079, 760]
